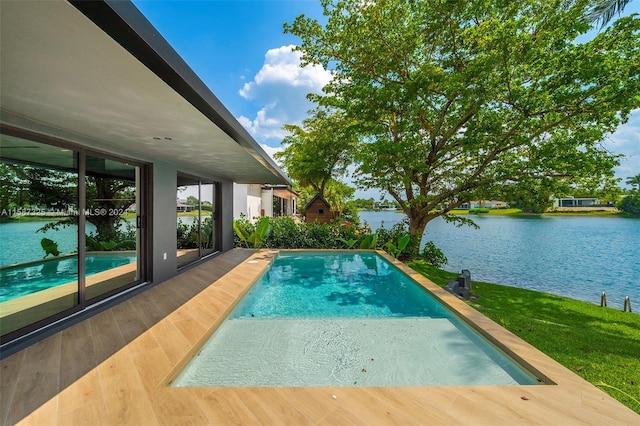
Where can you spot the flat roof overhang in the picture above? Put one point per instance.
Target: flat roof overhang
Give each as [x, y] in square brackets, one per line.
[100, 75]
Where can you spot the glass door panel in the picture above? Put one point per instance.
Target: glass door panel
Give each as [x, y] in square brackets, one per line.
[188, 220]
[113, 238]
[38, 232]
[207, 215]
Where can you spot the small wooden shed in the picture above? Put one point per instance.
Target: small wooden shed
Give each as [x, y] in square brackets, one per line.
[318, 210]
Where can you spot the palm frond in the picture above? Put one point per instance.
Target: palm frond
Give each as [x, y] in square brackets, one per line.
[603, 11]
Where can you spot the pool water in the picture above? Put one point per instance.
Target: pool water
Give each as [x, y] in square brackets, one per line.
[20, 280]
[347, 319]
[336, 285]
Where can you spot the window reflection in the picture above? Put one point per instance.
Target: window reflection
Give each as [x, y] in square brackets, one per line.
[38, 230]
[45, 273]
[111, 232]
[196, 219]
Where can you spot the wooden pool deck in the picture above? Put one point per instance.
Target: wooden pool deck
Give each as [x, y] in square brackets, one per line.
[114, 369]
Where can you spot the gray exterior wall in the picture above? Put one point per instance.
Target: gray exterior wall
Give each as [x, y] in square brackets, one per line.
[163, 222]
[226, 215]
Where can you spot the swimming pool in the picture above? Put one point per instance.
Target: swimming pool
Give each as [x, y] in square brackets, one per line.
[20, 280]
[345, 319]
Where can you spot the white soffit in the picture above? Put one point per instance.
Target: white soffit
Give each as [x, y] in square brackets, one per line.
[60, 74]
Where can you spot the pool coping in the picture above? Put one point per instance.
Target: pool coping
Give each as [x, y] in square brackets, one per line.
[130, 386]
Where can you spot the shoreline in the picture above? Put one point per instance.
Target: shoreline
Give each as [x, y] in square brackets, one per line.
[559, 211]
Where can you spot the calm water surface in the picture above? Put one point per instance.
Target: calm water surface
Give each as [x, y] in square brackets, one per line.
[577, 257]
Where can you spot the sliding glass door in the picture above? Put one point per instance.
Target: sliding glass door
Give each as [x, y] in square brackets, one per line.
[112, 225]
[38, 231]
[197, 224]
[71, 230]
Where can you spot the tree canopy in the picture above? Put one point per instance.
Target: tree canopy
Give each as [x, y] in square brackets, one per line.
[319, 151]
[454, 98]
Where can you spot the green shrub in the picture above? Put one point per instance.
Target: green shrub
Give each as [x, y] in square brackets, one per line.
[286, 233]
[631, 203]
[432, 254]
[479, 211]
[394, 235]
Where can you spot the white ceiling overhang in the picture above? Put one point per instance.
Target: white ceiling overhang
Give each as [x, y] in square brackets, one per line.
[100, 75]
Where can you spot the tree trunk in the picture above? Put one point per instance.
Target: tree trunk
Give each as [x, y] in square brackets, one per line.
[417, 224]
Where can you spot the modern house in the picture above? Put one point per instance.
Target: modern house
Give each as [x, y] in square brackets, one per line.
[255, 200]
[488, 204]
[575, 202]
[104, 126]
[100, 113]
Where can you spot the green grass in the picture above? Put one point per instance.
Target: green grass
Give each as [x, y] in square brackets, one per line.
[583, 213]
[493, 212]
[602, 345]
[517, 212]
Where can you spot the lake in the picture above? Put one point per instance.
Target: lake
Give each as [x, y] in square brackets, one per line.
[577, 257]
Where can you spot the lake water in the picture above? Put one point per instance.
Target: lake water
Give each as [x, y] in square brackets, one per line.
[577, 257]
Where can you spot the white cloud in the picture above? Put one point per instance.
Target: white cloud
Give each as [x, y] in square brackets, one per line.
[280, 89]
[271, 151]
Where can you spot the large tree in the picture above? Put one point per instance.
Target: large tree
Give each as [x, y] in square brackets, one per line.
[454, 98]
[319, 151]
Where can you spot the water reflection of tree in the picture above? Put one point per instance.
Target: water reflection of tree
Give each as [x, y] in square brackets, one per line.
[34, 188]
[107, 199]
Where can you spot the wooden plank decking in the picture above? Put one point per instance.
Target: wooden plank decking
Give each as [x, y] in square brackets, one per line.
[114, 368]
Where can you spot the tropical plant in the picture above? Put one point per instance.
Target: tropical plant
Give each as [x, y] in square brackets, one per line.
[604, 10]
[451, 99]
[633, 181]
[369, 242]
[432, 254]
[255, 238]
[348, 243]
[395, 250]
[50, 247]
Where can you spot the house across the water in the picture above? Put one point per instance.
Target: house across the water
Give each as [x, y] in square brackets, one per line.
[487, 204]
[575, 202]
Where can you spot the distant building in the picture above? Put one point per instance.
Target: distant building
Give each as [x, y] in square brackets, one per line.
[256, 200]
[575, 202]
[487, 204]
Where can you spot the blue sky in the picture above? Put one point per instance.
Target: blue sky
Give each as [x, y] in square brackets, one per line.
[240, 52]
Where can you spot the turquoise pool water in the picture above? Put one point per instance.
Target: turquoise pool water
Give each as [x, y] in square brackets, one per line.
[20, 280]
[347, 319]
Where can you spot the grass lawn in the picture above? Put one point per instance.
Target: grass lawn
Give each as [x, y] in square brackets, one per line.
[600, 344]
[516, 212]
